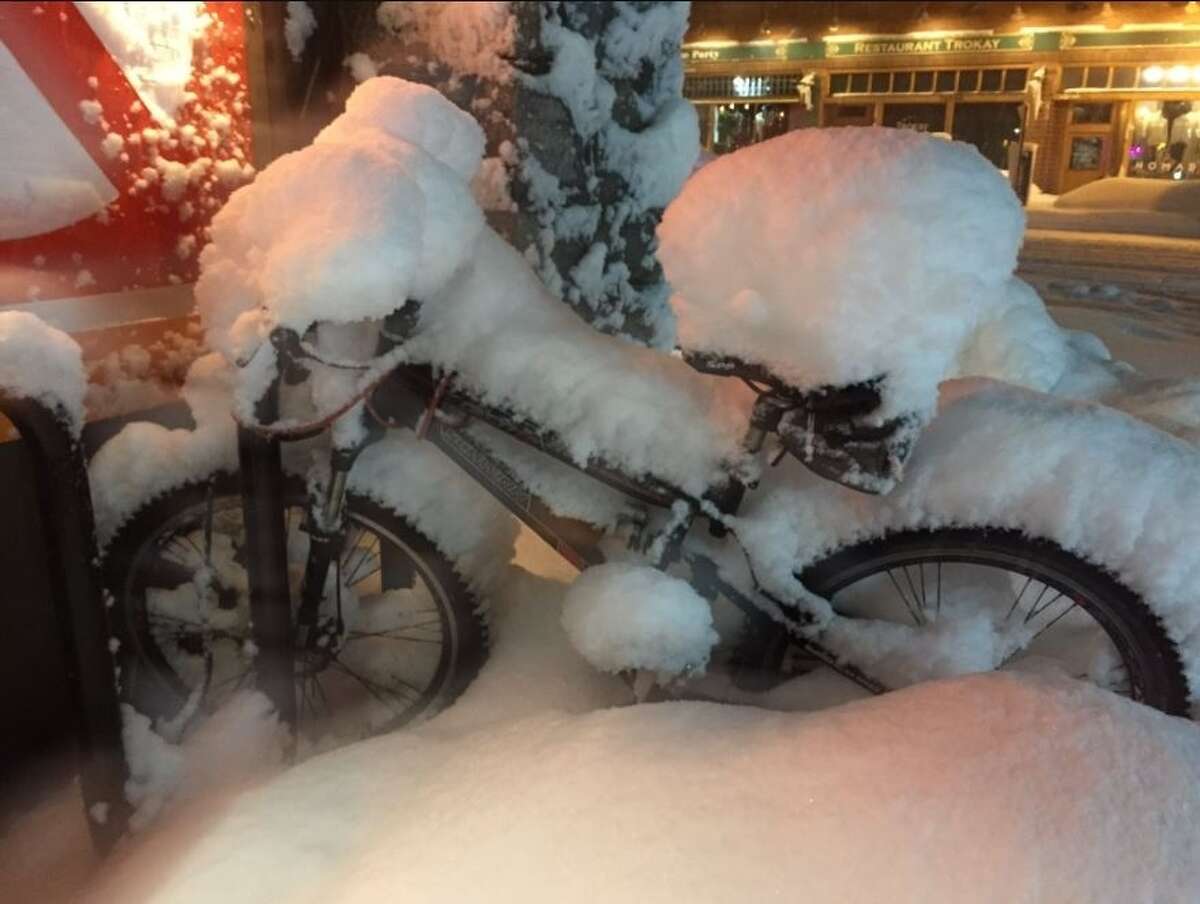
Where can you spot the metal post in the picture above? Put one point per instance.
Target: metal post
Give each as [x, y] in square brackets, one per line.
[267, 568]
[69, 536]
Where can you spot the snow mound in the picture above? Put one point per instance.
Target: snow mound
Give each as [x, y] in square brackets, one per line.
[346, 229]
[622, 616]
[1132, 195]
[836, 255]
[413, 113]
[39, 362]
[1018, 342]
[1015, 789]
[146, 460]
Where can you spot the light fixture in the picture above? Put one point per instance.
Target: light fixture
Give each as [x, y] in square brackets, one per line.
[834, 25]
[1018, 14]
[1178, 75]
[1152, 75]
[1192, 7]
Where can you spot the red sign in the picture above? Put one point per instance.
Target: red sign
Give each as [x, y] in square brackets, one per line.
[155, 98]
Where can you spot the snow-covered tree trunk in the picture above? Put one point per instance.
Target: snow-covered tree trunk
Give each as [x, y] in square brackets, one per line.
[600, 88]
[588, 133]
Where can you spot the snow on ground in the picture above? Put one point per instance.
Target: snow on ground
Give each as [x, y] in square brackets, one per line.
[996, 788]
[1152, 207]
[1140, 293]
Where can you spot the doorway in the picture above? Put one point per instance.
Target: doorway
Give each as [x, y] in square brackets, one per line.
[1088, 148]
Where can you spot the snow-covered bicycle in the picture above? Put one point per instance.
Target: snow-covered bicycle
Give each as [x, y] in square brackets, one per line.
[386, 629]
[611, 452]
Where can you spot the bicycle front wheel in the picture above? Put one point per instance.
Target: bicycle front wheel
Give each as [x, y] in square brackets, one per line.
[403, 634]
[918, 605]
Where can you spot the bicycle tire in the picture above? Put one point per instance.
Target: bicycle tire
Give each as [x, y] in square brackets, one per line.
[1150, 657]
[153, 685]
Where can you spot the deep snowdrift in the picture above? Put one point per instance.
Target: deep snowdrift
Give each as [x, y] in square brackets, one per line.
[990, 788]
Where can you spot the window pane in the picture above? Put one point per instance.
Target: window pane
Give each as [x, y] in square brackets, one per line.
[737, 125]
[991, 127]
[991, 79]
[1097, 77]
[1014, 80]
[1098, 113]
[1166, 143]
[1124, 77]
[923, 81]
[1072, 77]
[918, 117]
[902, 82]
[838, 83]
[879, 82]
[1085, 153]
[858, 83]
[945, 81]
[968, 80]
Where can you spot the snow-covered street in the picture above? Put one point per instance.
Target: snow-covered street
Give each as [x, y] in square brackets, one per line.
[1141, 294]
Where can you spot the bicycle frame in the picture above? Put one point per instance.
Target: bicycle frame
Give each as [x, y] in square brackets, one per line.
[410, 397]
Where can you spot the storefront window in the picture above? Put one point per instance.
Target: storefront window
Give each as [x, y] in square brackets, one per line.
[918, 117]
[1091, 113]
[1166, 140]
[1086, 153]
[990, 127]
[732, 126]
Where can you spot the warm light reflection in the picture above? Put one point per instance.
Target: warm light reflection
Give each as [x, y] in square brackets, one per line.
[1152, 75]
[1178, 74]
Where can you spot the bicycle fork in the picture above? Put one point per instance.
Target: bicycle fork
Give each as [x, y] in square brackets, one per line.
[325, 524]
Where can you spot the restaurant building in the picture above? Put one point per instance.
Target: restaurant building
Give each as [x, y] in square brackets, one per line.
[1087, 90]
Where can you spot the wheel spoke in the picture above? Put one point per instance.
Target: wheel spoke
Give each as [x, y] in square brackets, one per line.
[911, 611]
[374, 688]
[1016, 602]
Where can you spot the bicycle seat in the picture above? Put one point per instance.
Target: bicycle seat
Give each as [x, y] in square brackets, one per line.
[836, 402]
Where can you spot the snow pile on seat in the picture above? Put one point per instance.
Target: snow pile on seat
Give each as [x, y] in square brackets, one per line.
[836, 255]
[1098, 482]
[376, 211]
[42, 363]
[991, 788]
[623, 616]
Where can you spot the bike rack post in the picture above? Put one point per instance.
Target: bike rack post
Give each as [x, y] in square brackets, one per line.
[261, 468]
[69, 536]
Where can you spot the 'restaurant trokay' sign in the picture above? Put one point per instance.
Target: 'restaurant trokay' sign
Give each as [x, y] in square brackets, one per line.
[948, 44]
[917, 44]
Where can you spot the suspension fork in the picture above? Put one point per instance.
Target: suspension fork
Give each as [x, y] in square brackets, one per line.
[325, 524]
